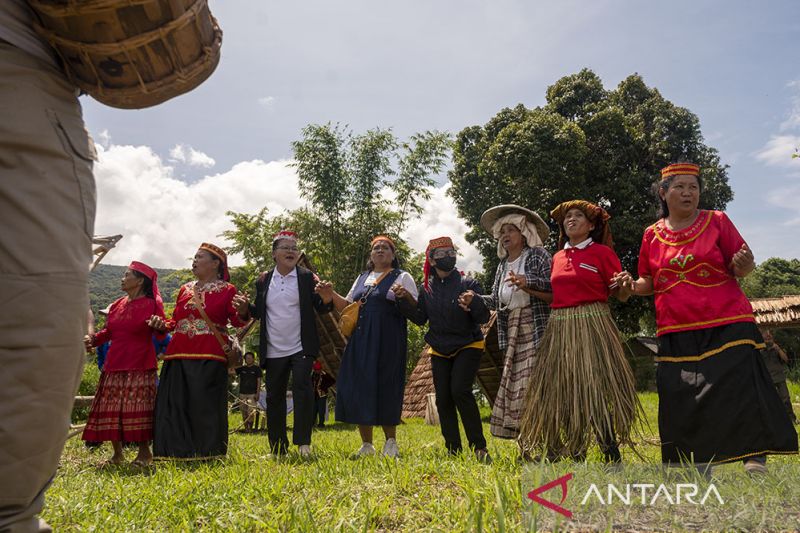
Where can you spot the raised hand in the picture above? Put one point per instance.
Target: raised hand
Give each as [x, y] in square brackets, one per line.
[465, 299]
[517, 280]
[241, 303]
[743, 260]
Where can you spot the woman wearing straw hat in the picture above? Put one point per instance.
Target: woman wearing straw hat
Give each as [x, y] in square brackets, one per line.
[191, 415]
[122, 409]
[716, 400]
[520, 294]
[370, 384]
[583, 387]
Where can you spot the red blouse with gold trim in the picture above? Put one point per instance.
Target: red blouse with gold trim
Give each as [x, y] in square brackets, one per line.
[693, 284]
[132, 339]
[191, 336]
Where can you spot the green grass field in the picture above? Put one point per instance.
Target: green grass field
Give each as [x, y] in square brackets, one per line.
[425, 490]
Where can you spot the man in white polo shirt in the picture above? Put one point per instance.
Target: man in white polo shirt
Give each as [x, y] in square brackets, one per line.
[286, 298]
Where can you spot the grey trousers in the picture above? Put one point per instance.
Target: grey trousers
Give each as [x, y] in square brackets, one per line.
[47, 207]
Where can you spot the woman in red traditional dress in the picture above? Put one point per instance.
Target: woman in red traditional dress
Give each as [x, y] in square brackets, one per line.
[191, 416]
[122, 409]
[716, 401]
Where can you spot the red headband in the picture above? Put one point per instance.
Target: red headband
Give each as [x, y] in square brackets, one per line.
[220, 254]
[284, 234]
[383, 238]
[438, 242]
[680, 169]
[152, 275]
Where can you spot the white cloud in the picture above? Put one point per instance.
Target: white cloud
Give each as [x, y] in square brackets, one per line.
[104, 139]
[163, 219]
[267, 102]
[778, 151]
[186, 154]
[438, 219]
[786, 197]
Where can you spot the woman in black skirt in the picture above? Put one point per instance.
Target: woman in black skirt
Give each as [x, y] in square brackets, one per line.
[716, 400]
[191, 415]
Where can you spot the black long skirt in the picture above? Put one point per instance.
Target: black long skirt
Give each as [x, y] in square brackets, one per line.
[191, 414]
[716, 402]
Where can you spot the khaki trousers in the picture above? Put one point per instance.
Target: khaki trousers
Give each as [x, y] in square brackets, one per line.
[47, 206]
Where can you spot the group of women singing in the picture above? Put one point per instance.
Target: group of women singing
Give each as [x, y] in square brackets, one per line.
[565, 380]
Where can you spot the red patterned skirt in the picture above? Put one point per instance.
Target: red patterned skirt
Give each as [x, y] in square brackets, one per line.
[122, 409]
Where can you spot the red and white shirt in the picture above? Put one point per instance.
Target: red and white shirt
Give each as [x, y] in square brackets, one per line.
[581, 274]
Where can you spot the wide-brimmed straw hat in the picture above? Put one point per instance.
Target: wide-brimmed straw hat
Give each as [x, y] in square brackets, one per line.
[493, 214]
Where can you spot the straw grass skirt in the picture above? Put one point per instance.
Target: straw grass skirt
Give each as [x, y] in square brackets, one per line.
[582, 388]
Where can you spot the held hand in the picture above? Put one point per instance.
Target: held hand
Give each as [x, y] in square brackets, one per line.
[401, 292]
[241, 303]
[624, 281]
[517, 280]
[157, 323]
[87, 342]
[325, 290]
[465, 299]
[743, 260]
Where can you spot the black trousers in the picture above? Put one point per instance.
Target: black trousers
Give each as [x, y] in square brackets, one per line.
[277, 380]
[322, 407]
[453, 379]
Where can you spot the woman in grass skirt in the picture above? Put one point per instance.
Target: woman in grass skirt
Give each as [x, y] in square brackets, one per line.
[191, 415]
[583, 387]
[716, 402]
[122, 409]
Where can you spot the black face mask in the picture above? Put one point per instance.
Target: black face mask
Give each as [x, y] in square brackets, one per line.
[446, 264]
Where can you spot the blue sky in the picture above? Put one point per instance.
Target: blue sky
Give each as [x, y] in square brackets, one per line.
[417, 65]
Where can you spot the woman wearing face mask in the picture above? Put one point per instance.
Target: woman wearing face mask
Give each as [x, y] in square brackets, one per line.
[371, 380]
[520, 295]
[455, 339]
[583, 388]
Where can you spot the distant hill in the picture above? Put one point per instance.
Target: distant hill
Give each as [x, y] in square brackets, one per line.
[104, 284]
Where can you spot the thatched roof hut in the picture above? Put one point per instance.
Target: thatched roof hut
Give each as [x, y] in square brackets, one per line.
[419, 385]
[420, 382]
[782, 312]
[331, 340]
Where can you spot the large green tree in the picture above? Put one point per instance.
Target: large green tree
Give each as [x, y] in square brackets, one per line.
[606, 146]
[356, 186]
[773, 278]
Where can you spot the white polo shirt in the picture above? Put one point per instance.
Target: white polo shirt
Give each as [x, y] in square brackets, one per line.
[283, 315]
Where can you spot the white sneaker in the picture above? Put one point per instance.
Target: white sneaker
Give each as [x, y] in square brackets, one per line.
[304, 451]
[390, 449]
[366, 449]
